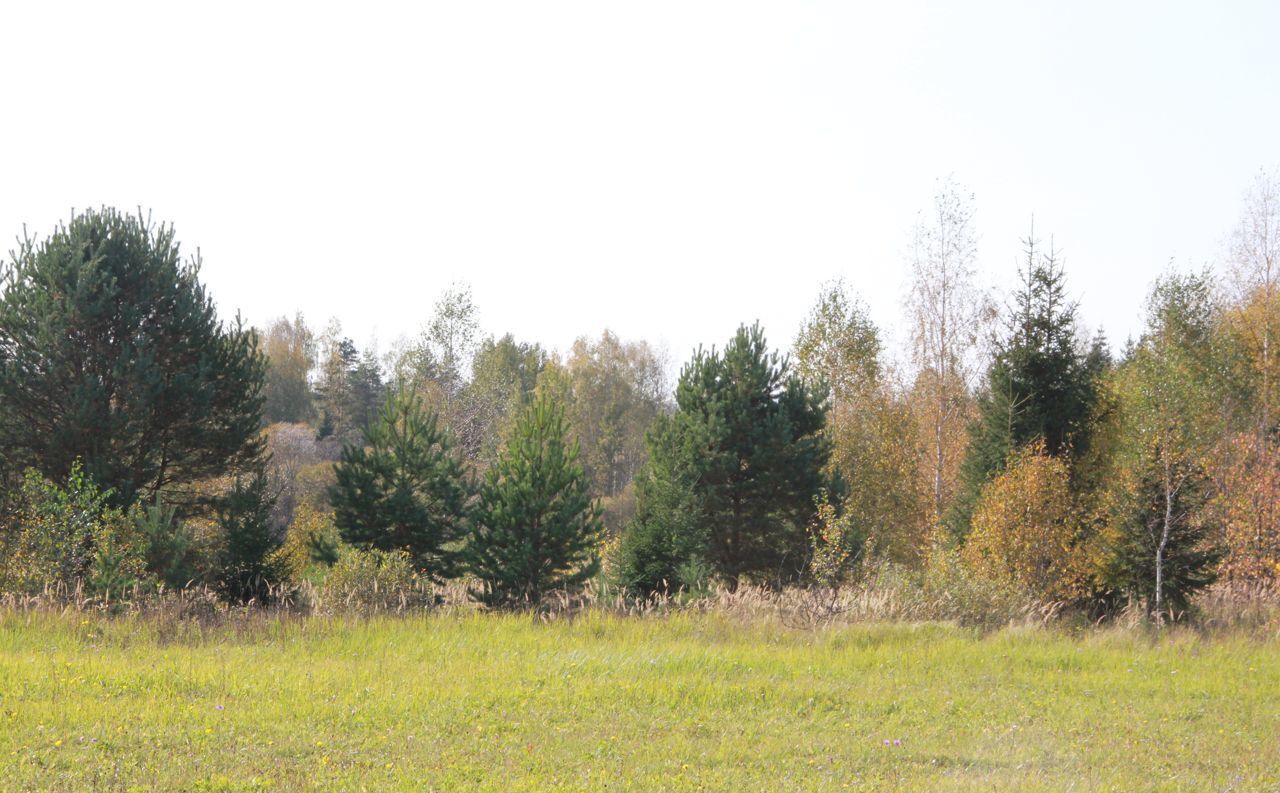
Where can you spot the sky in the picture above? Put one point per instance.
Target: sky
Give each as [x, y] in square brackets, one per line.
[667, 170]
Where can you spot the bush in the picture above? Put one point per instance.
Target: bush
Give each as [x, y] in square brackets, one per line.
[1023, 528]
[310, 543]
[62, 535]
[832, 543]
[952, 590]
[375, 580]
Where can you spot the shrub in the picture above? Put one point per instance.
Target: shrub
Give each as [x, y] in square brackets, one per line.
[832, 543]
[949, 589]
[61, 535]
[310, 542]
[1023, 527]
[375, 580]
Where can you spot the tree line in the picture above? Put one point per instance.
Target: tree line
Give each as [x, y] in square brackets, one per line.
[143, 440]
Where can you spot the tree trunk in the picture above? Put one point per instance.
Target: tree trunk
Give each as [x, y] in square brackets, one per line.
[1164, 542]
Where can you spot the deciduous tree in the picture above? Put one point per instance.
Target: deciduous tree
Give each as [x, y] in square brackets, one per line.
[875, 447]
[1024, 528]
[291, 351]
[1161, 537]
[949, 315]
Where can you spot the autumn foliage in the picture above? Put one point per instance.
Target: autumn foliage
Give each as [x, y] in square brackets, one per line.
[1024, 527]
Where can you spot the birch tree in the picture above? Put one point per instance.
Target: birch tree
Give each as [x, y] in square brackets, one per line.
[875, 443]
[948, 314]
[1161, 541]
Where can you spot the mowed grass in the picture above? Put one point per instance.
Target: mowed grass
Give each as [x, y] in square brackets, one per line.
[680, 702]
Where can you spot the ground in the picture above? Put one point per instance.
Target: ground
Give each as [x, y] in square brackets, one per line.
[676, 702]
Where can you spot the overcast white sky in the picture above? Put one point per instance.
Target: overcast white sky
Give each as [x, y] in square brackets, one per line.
[665, 169]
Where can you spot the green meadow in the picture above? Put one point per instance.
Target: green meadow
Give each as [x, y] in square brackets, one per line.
[678, 702]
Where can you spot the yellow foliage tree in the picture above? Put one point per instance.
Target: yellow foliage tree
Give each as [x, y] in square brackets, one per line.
[1247, 474]
[1024, 528]
[873, 431]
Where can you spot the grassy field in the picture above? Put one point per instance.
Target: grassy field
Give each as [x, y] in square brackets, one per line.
[682, 702]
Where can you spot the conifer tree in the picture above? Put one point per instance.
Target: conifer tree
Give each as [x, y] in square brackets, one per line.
[1041, 386]
[404, 488]
[112, 353]
[537, 528]
[1162, 549]
[664, 547]
[368, 392]
[747, 438]
[247, 565]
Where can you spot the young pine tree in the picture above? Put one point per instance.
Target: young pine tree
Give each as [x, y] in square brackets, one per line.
[404, 488]
[748, 441]
[537, 527]
[247, 564]
[664, 547]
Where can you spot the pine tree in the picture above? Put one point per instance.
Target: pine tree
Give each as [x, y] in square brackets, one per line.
[537, 528]
[664, 548]
[747, 438]
[247, 565]
[404, 488]
[1041, 386]
[111, 352]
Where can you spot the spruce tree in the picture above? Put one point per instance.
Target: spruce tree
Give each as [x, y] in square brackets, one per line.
[747, 440]
[537, 528]
[1041, 385]
[404, 488]
[1162, 550]
[112, 353]
[368, 392]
